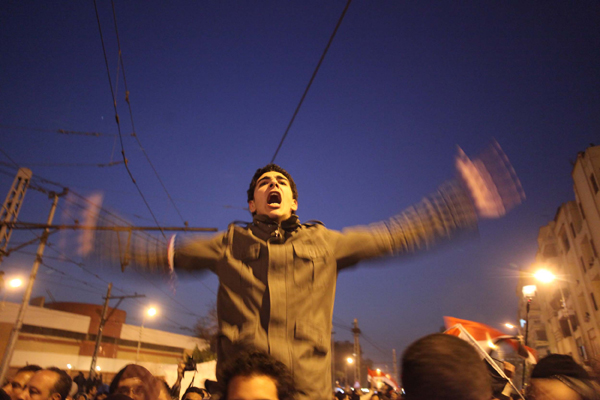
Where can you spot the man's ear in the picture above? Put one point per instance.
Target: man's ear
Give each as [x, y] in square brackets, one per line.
[251, 206]
[55, 396]
[295, 205]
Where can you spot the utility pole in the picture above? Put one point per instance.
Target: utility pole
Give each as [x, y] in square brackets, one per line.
[99, 335]
[356, 333]
[14, 334]
[103, 319]
[12, 206]
[395, 366]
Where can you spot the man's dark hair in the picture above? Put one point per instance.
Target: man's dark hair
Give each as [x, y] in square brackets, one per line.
[268, 168]
[558, 364]
[251, 362]
[444, 367]
[63, 383]
[29, 368]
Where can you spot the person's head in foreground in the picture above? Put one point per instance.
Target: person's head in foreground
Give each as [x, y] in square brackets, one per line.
[272, 193]
[15, 386]
[559, 377]
[136, 382]
[255, 375]
[194, 393]
[444, 367]
[47, 384]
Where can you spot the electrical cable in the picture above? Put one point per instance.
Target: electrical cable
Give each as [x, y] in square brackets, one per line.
[125, 161]
[134, 134]
[368, 340]
[67, 276]
[312, 78]
[61, 131]
[78, 165]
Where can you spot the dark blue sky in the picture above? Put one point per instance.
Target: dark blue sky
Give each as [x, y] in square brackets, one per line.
[213, 85]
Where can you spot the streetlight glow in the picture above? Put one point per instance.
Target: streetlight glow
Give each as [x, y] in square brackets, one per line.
[15, 283]
[544, 276]
[151, 312]
[69, 366]
[509, 326]
[529, 291]
[350, 360]
[98, 368]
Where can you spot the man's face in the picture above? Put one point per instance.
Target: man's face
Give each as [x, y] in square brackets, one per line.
[41, 387]
[273, 197]
[258, 387]
[551, 389]
[132, 387]
[16, 385]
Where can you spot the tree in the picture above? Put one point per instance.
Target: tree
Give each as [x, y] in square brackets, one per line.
[207, 328]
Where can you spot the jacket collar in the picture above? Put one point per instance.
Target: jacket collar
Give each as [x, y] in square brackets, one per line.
[267, 229]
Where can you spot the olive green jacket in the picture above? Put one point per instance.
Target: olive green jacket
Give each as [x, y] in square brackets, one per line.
[277, 282]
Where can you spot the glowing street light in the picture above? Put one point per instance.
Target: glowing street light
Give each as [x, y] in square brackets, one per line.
[98, 368]
[15, 282]
[151, 312]
[544, 276]
[509, 325]
[69, 366]
[349, 361]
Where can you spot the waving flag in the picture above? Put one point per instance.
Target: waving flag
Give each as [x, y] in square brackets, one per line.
[488, 337]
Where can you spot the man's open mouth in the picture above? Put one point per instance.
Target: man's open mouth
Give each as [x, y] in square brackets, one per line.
[274, 198]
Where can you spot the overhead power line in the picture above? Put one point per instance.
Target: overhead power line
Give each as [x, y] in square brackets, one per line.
[112, 92]
[312, 78]
[60, 131]
[78, 165]
[134, 134]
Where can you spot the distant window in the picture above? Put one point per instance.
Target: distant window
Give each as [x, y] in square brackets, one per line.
[594, 301]
[582, 263]
[581, 209]
[594, 248]
[573, 230]
[550, 251]
[594, 183]
[565, 241]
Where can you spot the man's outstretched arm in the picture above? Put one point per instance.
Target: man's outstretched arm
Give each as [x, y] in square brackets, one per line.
[486, 187]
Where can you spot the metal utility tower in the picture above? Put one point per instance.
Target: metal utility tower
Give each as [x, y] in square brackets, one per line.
[356, 333]
[12, 206]
[14, 334]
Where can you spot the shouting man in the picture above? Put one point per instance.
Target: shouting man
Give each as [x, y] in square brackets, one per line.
[278, 276]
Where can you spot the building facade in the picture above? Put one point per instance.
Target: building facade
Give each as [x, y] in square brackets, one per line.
[564, 315]
[64, 335]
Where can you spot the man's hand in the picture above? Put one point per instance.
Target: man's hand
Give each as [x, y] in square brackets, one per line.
[491, 180]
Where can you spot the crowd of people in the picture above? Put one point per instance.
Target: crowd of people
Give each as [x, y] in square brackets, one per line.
[435, 367]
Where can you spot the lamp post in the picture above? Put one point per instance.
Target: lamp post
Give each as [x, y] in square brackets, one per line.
[151, 312]
[349, 361]
[528, 295]
[545, 276]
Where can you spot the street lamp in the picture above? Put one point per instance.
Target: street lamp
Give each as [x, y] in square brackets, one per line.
[528, 294]
[151, 312]
[13, 283]
[546, 276]
[349, 361]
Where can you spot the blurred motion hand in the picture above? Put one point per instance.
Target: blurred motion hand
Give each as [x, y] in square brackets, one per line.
[491, 180]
